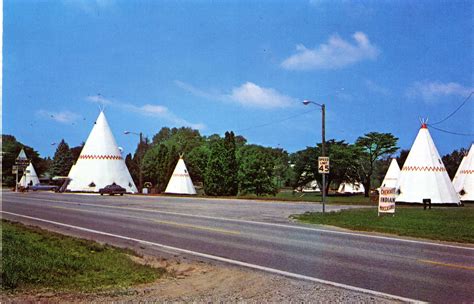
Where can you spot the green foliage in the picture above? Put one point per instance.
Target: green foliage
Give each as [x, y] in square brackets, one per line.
[343, 163]
[196, 162]
[10, 150]
[256, 171]
[62, 160]
[373, 146]
[441, 223]
[214, 176]
[33, 259]
[231, 166]
[156, 166]
[453, 160]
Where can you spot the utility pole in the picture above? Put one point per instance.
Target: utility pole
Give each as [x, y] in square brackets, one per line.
[323, 135]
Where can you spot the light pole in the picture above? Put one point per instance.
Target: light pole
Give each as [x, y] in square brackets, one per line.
[323, 144]
[140, 165]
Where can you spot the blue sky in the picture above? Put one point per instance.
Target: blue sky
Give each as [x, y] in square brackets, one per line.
[237, 65]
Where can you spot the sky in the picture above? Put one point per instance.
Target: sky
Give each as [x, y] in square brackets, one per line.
[244, 66]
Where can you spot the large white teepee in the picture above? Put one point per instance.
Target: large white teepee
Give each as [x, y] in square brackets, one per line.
[29, 177]
[464, 180]
[351, 188]
[423, 175]
[100, 163]
[391, 177]
[180, 182]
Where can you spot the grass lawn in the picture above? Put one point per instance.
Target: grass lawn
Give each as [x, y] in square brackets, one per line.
[454, 224]
[314, 197]
[35, 259]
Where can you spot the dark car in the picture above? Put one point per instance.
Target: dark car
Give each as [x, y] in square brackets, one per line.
[40, 187]
[112, 189]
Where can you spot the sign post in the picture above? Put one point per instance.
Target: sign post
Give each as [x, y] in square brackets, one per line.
[323, 168]
[387, 200]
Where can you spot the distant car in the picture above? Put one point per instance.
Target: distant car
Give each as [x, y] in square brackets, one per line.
[40, 187]
[112, 189]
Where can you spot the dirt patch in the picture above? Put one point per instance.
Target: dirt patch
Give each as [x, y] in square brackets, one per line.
[197, 281]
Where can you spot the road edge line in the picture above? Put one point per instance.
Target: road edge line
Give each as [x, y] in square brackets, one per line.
[226, 260]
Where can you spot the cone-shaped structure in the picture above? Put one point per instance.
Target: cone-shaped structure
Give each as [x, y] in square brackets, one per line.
[100, 163]
[351, 188]
[424, 176]
[29, 177]
[464, 180]
[22, 155]
[391, 177]
[180, 182]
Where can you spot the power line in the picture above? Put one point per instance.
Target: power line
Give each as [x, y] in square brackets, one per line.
[276, 121]
[457, 109]
[450, 132]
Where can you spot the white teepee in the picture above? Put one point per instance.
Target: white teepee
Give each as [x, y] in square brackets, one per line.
[391, 177]
[464, 180]
[351, 188]
[423, 175]
[100, 163]
[180, 182]
[312, 186]
[29, 177]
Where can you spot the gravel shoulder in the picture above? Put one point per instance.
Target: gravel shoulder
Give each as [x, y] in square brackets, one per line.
[198, 281]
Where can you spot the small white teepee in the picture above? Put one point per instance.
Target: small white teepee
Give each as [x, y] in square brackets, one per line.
[29, 177]
[391, 177]
[100, 162]
[180, 182]
[423, 175]
[464, 180]
[351, 188]
[312, 186]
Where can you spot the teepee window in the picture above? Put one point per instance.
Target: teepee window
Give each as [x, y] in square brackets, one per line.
[92, 184]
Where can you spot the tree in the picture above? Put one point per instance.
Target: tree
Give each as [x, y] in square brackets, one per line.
[62, 160]
[231, 184]
[453, 160]
[155, 166]
[343, 163]
[256, 171]
[402, 157]
[10, 150]
[373, 146]
[76, 152]
[196, 162]
[215, 169]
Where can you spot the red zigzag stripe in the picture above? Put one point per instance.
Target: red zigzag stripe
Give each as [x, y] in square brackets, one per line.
[467, 171]
[111, 157]
[423, 168]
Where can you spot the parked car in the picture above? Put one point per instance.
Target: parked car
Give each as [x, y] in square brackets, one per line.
[40, 187]
[112, 189]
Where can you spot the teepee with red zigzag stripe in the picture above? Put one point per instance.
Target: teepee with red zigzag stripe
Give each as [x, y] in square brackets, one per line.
[423, 176]
[100, 163]
[464, 180]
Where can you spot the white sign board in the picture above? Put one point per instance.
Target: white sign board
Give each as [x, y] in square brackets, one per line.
[387, 200]
[323, 165]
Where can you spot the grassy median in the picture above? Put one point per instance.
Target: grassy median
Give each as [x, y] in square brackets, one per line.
[454, 224]
[34, 259]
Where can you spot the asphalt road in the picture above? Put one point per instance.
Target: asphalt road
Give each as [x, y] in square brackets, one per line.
[259, 234]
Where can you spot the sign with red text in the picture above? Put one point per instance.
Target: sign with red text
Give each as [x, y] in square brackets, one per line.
[387, 200]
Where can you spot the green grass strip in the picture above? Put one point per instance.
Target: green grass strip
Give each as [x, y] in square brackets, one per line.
[35, 259]
[454, 224]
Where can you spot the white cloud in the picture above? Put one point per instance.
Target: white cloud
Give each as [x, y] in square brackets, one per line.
[64, 117]
[99, 99]
[152, 110]
[376, 88]
[431, 91]
[336, 53]
[251, 95]
[90, 6]
[163, 113]
[248, 94]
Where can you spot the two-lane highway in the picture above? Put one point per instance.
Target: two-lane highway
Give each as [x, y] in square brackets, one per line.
[259, 235]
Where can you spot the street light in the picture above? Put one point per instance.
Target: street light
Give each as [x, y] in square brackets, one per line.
[140, 172]
[323, 135]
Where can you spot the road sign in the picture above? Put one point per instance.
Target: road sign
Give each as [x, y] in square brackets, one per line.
[323, 165]
[387, 200]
